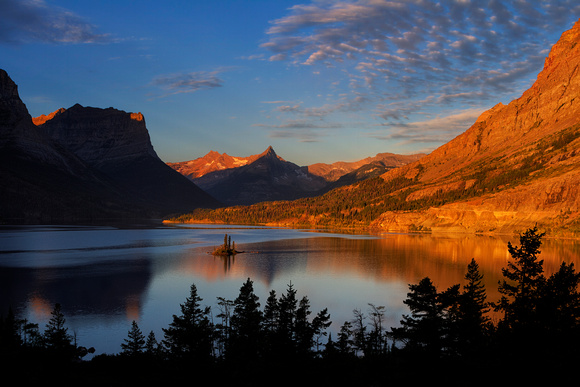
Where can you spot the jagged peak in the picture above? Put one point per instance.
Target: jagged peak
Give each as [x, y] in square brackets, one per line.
[269, 153]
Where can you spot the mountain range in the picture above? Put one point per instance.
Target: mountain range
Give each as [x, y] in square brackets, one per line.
[516, 167]
[267, 176]
[84, 164]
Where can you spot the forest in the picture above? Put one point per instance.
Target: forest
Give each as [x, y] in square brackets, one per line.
[447, 336]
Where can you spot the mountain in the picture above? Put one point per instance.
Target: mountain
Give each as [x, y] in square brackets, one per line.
[516, 167]
[211, 162]
[83, 164]
[334, 171]
[280, 180]
[264, 177]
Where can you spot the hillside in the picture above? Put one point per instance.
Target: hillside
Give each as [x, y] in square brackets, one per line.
[515, 167]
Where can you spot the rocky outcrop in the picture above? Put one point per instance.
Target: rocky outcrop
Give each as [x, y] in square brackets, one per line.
[100, 136]
[516, 166]
[117, 144]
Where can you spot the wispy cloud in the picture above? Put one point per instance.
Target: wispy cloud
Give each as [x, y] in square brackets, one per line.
[435, 130]
[188, 82]
[31, 21]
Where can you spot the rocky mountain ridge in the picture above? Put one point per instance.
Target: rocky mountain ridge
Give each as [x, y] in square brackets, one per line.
[270, 177]
[84, 165]
[521, 160]
[264, 177]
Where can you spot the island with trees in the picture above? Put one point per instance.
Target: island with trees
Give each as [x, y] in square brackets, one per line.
[227, 249]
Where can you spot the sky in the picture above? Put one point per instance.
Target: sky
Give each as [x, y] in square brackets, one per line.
[319, 81]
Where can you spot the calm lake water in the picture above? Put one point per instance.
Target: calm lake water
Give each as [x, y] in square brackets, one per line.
[106, 277]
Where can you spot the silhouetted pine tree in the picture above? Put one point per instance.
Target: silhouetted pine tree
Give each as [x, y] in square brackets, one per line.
[190, 335]
[246, 323]
[134, 344]
[56, 337]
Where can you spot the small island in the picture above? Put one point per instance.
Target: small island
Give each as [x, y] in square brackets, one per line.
[227, 249]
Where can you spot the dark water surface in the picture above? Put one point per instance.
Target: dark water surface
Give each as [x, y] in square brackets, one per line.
[106, 277]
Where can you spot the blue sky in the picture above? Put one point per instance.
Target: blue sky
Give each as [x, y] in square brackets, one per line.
[320, 81]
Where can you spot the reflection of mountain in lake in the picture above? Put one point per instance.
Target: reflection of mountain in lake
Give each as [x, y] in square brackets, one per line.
[107, 289]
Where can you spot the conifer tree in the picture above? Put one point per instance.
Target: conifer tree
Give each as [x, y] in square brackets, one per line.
[152, 347]
[56, 336]
[134, 344]
[473, 323]
[246, 322]
[425, 328]
[523, 283]
[190, 335]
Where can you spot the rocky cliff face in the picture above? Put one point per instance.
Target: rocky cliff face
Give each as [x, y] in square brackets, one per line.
[518, 165]
[83, 164]
[117, 144]
[99, 136]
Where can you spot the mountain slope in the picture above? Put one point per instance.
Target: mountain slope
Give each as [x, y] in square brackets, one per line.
[266, 177]
[118, 145]
[62, 172]
[517, 166]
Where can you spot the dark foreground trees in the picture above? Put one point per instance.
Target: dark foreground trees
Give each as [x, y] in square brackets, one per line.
[447, 336]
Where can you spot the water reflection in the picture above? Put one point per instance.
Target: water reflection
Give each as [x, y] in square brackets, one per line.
[104, 277]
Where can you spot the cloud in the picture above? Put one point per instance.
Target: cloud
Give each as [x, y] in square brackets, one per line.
[427, 42]
[28, 21]
[436, 130]
[188, 82]
[413, 58]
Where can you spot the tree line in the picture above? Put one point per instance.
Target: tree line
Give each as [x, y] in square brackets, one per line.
[447, 335]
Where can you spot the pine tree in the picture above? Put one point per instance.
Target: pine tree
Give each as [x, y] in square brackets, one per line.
[135, 343]
[473, 324]
[424, 329]
[303, 329]
[246, 323]
[320, 324]
[523, 284]
[56, 335]
[10, 339]
[152, 347]
[190, 335]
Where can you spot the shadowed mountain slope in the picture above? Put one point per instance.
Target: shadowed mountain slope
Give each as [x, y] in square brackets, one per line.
[48, 177]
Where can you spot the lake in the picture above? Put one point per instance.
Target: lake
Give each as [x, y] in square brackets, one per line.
[106, 277]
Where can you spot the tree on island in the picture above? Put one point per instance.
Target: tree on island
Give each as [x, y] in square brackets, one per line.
[228, 248]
